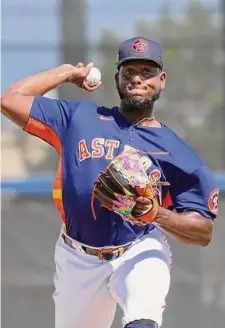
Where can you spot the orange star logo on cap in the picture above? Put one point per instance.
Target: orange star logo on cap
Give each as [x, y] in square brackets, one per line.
[140, 46]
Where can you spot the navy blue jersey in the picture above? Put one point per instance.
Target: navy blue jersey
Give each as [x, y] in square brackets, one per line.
[87, 137]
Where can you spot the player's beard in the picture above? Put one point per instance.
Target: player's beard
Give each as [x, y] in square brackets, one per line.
[134, 103]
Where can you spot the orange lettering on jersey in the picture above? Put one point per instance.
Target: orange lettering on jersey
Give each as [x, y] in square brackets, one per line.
[83, 151]
[155, 175]
[112, 144]
[146, 162]
[97, 146]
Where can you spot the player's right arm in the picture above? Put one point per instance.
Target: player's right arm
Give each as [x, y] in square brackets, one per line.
[17, 101]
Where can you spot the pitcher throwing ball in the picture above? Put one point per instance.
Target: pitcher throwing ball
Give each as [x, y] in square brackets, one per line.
[124, 182]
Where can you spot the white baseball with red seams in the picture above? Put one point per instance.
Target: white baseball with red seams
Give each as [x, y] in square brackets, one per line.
[93, 77]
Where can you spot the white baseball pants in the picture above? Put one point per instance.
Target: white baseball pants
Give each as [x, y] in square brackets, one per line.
[87, 290]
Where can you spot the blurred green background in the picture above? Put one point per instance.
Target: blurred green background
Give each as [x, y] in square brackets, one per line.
[39, 35]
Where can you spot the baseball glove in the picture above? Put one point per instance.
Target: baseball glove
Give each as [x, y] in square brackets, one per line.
[124, 180]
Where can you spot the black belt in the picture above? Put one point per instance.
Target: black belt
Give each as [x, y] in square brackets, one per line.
[104, 254]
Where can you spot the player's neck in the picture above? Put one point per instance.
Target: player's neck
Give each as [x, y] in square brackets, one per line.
[138, 117]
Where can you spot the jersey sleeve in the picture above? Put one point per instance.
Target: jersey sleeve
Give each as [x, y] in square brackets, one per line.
[49, 119]
[196, 192]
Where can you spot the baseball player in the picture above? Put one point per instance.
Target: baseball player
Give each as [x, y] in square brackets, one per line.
[101, 257]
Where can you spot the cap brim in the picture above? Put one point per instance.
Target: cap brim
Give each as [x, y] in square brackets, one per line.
[122, 61]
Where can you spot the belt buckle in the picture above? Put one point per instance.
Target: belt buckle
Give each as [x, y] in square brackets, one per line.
[109, 254]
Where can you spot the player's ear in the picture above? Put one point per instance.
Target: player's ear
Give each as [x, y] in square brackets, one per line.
[163, 78]
[117, 79]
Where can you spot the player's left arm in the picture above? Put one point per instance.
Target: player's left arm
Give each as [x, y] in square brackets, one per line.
[195, 200]
[187, 228]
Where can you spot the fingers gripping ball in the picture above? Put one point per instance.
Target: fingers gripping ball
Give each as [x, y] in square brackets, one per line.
[125, 180]
[93, 77]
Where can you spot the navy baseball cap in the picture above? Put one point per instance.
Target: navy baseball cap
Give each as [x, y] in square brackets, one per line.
[140, 48]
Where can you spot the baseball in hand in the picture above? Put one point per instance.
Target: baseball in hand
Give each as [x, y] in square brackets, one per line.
[93, 77]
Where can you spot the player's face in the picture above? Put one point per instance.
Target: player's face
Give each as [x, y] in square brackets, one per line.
[140, 82]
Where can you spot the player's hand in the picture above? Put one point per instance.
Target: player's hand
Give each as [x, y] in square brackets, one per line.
[79, 75]
[143, 205]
